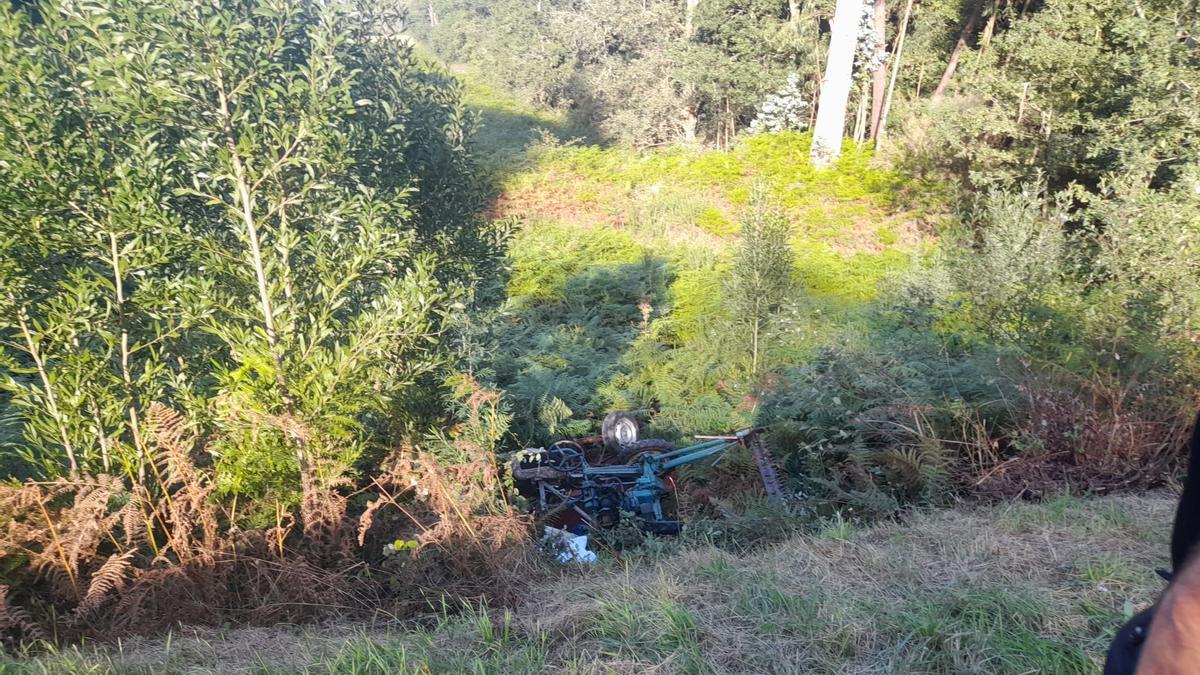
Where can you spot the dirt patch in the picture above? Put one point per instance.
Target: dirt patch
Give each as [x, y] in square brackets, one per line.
[563, 201]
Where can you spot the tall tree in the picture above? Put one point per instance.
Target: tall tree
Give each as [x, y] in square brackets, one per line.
[741, 51]
[897, 54]
[835, 89]
[968, 29]
[879, 77]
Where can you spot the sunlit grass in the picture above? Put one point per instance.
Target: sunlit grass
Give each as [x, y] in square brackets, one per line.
[946, 592]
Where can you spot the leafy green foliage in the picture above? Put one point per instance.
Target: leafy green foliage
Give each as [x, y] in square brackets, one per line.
[259, 213]
[1092, 103]
[608, 65]
[1082, 91]
[869, 427]
[984, 353]
[762, 273]
[641, 73]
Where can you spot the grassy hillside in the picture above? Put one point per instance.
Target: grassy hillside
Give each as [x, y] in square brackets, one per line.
[1019, 588]
[621, 260]
[926, 336]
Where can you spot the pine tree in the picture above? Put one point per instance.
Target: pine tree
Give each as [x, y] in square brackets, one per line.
[762, 275]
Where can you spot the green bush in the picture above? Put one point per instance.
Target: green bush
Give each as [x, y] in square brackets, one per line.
[268, 236]
[869, 427]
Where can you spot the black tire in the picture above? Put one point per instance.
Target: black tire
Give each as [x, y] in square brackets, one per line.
[619, 430]
[651, 446]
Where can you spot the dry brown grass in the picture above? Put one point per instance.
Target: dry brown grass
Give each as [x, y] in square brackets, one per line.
[1096, 435]
[558, 201]
[105, 557]
[848, 600]
[1004, 589]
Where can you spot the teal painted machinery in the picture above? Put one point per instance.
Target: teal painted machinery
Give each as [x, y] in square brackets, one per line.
[565, 488]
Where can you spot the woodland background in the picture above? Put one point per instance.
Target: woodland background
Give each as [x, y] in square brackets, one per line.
[280, 288]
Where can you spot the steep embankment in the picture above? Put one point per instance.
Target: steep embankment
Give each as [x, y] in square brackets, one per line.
[616, 272]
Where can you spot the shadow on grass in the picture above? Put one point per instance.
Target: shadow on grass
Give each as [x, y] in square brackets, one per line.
[507, 128]
[504, 137]
[568, 347]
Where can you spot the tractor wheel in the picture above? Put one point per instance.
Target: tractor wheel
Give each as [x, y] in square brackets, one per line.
[651, 446]
[619, 430]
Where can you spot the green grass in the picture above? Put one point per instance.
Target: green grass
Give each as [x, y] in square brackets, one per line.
[988, 629]
[647, 629]
[1021, 588]
[776, 612]
[834, 205]
[615, 295]
[546, 256]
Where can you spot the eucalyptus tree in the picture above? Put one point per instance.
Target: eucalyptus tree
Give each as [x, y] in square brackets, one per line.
[835, 87]
[761, 280]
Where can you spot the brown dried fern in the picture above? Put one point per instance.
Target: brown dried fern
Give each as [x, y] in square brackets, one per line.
[187, 509]
[109, 579]
[16, 625]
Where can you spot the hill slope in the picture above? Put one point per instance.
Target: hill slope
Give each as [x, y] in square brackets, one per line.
[617, 293]
[615, 275]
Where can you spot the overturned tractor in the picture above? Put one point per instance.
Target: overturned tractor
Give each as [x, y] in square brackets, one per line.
[591, 482]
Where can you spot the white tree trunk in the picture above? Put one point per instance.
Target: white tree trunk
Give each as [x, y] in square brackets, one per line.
[897, 53]
[835, 88]
[689, 17]
[690, 121]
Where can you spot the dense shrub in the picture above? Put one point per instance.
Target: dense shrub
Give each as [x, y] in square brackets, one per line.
[869, 428]
[981, 373]
[232, 236]
[784, 110]
[268, 235]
